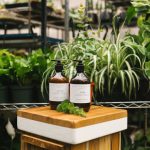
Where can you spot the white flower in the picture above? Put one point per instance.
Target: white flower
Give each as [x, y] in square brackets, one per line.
[10, 129]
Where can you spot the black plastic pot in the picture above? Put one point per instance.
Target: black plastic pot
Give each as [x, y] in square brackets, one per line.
[115, 96]
[38, 97]
[144, 90]
[4, 94]
[22, 94]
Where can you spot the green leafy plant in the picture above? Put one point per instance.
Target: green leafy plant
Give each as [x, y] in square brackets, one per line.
[107, 64]
[6, 59]
[111, 65]
[48, 72]
[142, 6]
[120, 69]
[21, 71]
[38, 62]
[80, 19]
[42, 67]
[147, 69]
[141, 42]
[79, 16]
[69, 108]
[81, 48]
[141, 9]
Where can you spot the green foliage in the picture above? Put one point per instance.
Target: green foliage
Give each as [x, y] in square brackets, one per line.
[141, 42]
[6, 59]
[130, 14]
[21, 71]
[48, 72]
[138, 139]
[139, 134]
[107, 64]
[80, 19]
[142, 6]
[85, 49]
[69, 108]
[15, 68]
[147, 69]
[148, 135]
[38, 62]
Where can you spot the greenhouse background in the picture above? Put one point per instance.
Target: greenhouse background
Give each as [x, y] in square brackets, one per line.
[111, 37]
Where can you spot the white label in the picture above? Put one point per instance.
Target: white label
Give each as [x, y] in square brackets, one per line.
[80, 93]
[58, 91]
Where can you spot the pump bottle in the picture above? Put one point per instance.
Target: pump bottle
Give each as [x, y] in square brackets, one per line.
[58, 87]
[80, 88]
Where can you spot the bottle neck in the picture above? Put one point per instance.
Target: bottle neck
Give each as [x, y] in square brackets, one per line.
[59, 73]
[78, 72]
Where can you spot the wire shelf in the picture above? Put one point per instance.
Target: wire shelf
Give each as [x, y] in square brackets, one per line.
[127, 105]
[16, 106]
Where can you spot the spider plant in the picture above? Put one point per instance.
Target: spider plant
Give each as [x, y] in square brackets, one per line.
[47, 73]
[147, 69]
[120, 70]
[81, 48]
[112, 66]
[85, 49]
[107, 64]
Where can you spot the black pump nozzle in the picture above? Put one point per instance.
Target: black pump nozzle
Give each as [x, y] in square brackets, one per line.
[58, 66]
[80, 66]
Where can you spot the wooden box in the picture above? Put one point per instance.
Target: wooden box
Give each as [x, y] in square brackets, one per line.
[101, 125]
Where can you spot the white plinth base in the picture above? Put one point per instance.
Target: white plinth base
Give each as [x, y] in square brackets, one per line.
[71, 135]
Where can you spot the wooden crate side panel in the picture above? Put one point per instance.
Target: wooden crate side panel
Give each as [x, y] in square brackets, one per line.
[103, 143]
[27, 140]
[116, 141]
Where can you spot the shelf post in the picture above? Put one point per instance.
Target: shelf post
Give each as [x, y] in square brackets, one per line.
[66, 20]
[44, 24]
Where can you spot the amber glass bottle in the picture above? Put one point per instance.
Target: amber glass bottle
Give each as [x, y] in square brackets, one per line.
[58, 87]
[80, 89]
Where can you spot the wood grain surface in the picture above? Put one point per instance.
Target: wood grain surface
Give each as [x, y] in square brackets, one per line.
[109, 142]
[97, 114]
[116, 141]
[34, 143]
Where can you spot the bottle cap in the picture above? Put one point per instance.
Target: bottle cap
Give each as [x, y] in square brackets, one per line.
[80, 66]
[58, 66]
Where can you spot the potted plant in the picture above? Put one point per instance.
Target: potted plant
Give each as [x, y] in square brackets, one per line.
[38, 62]
[141, 43]
[146, 94]
[112, 66]
[21, 75]
[5, 65]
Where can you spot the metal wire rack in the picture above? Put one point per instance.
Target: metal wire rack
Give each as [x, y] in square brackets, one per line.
[16, 106]
[145, 105]
[127, 105]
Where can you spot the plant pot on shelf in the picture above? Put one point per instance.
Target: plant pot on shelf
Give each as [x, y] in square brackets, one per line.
[22, 94]
[38, 97]
[115, 96]
[144, 90]
[4, 94]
